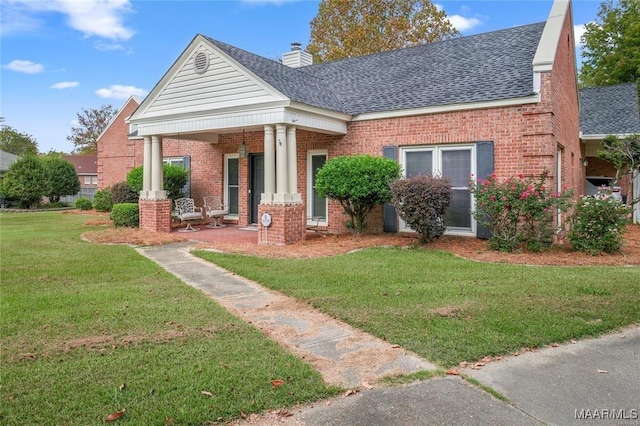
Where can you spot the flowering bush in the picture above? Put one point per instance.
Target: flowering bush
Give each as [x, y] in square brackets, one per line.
[597, 224]
[422, 202]
[518, 211]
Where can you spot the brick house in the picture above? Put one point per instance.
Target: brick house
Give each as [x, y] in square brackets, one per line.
[608, 110]
[504, 102]
[87, 171]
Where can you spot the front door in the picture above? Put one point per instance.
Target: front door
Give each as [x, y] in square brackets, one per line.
[256, 184]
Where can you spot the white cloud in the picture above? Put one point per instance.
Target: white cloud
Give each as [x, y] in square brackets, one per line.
[118, 91]
[16, 21]
[102, 18]
[106, 47]
[65, 85]
[27, 67]
[462, 24]
[578, 31]
[74, 123]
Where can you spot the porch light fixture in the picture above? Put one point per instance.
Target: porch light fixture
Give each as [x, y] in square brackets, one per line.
[585, 162]
[243, 149]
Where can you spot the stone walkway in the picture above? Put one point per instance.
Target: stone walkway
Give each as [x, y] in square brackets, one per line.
[343, 355]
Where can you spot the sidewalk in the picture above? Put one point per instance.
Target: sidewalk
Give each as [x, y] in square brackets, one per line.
[594, 381]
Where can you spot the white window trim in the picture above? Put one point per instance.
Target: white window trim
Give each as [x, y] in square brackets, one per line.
[170, 160]
[310, 222]
[226, 184]
[436, 167]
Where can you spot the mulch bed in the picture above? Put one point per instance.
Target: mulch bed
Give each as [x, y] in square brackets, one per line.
[322, 245]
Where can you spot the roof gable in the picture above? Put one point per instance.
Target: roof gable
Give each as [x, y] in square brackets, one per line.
[220, 83]
[610, 110]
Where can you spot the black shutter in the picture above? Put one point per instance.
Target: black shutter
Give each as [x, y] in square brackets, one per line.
[186, 161]
[388, 210]
[484, 167]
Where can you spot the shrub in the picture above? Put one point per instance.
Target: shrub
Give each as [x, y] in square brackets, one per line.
[125, 214]
[421, 202]
[518, 211]
[597, 224]
[84, 204]
[122, 193]
[174, 179]
[103, 200]
[358, 183]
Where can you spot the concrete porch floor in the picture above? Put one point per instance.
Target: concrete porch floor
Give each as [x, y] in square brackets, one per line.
[228, 234]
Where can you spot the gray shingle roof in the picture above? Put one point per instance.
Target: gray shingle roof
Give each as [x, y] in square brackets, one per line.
[6, 160]
[484, 67]
[610, 110]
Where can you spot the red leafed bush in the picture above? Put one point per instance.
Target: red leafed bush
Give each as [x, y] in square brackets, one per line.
[421, 202]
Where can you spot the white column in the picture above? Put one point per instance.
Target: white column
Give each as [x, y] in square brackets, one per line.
[281, 195]
[157, 185]
[146, 169]
[269, 166]
[292, 164]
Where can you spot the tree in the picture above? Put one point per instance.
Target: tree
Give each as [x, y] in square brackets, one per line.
[91, 123]
[611, 52]
[24, 181]
[624, 154]
[358, 183]
[350, 28]
[60, 178]
[15, 142]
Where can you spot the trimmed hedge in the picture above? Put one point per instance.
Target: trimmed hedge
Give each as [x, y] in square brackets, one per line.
[84, 204]
[125, 215]
[103, 200]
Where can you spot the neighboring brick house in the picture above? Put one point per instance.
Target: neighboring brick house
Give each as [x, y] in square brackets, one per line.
[6, 161]
[608, 110]
[87, 170]
[504, 102]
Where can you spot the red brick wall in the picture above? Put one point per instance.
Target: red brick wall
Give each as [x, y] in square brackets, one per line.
[155, 215]
[115, 150]
[565, 107]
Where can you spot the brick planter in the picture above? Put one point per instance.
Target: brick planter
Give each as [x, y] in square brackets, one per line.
[288, 224]
[155, 215]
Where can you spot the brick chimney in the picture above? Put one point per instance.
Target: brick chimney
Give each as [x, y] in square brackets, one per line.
[297, 57]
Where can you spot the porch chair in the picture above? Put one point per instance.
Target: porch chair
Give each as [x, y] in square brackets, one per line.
[216, 210]
[188, 212]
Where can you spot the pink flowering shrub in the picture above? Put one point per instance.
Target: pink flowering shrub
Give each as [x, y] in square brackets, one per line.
[518, 211]
[597, 224]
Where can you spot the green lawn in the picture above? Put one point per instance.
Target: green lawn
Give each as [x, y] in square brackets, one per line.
[448, 309]
[90, 329]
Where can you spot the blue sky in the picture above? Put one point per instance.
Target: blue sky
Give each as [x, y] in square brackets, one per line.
[60, 56]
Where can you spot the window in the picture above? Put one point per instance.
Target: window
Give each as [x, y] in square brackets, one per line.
[316, 205]
[456, 163]
[231, 183]
[94, 180]
[87, 180]
[185, 163]
[174, 161]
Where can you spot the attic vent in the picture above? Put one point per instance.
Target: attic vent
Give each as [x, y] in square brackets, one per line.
[201, 62]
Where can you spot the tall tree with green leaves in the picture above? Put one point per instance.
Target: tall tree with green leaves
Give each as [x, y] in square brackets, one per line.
[60, 178]
[24, 181]
[611, 52]
[350, 28]
[91, 123]
[16, 143]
